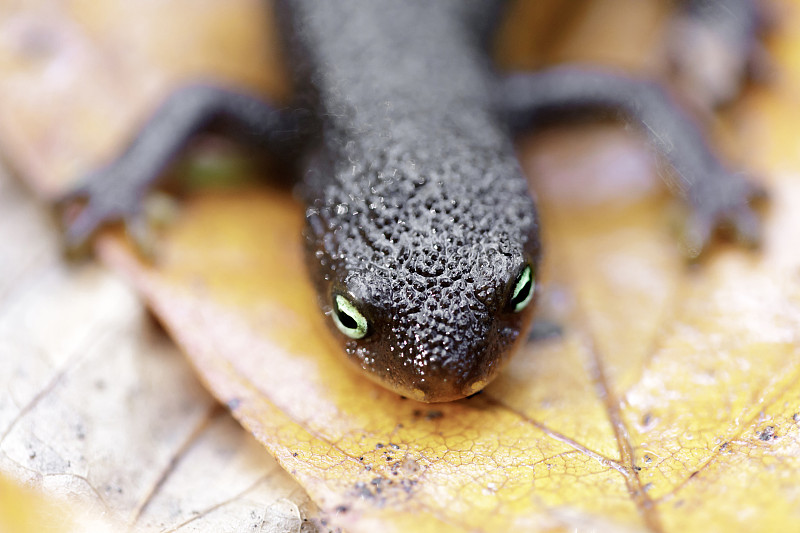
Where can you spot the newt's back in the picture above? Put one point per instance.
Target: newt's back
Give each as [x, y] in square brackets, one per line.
[419, 215]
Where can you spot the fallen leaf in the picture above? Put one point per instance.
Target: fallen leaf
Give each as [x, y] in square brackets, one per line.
[662, 386]
[99, 410]
[668, 403]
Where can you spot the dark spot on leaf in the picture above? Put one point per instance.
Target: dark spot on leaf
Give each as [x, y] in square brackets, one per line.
[768, 434]
[409, 466]
[362, 490]
[234, 404]
[433, 415]
[408, 484]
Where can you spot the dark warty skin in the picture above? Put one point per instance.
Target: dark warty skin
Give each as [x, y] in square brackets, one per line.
[422, 238]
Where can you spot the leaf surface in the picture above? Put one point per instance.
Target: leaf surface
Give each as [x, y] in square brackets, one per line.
[99, 411]
[668, 403]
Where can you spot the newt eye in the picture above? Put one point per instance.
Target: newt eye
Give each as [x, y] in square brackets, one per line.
[348, 319]
[523, 290]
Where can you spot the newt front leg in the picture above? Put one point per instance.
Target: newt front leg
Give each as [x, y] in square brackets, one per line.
[116, 192]
[718, 198]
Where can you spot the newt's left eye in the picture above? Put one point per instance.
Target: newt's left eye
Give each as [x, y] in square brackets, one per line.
[522, 294]
[348, 318]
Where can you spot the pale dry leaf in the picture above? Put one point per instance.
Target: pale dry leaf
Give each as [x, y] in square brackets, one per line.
[99, 409]
[96, 405]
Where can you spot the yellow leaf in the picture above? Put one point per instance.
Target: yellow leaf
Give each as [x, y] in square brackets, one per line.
[26, 511]
[20, 510]
[670, 402]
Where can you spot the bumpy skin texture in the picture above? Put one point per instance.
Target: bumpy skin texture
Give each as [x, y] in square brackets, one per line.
[418, 211]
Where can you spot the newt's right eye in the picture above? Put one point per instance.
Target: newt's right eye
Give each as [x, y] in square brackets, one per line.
[524, 287]
[348, 318]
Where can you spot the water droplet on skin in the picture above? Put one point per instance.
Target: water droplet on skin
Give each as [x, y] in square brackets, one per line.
[417, 394]
[477, 386]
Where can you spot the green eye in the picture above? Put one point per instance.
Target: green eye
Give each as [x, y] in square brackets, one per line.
[523, 290]
[348, 319]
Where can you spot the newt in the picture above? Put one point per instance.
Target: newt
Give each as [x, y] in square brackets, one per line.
[421, 236]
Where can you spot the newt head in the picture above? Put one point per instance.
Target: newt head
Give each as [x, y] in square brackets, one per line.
[428, 293]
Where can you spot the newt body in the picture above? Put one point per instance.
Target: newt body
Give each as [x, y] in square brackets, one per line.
[422, 238]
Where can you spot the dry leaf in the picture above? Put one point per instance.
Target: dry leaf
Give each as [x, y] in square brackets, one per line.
[669, 402]
[666, 387]
[98, 409]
